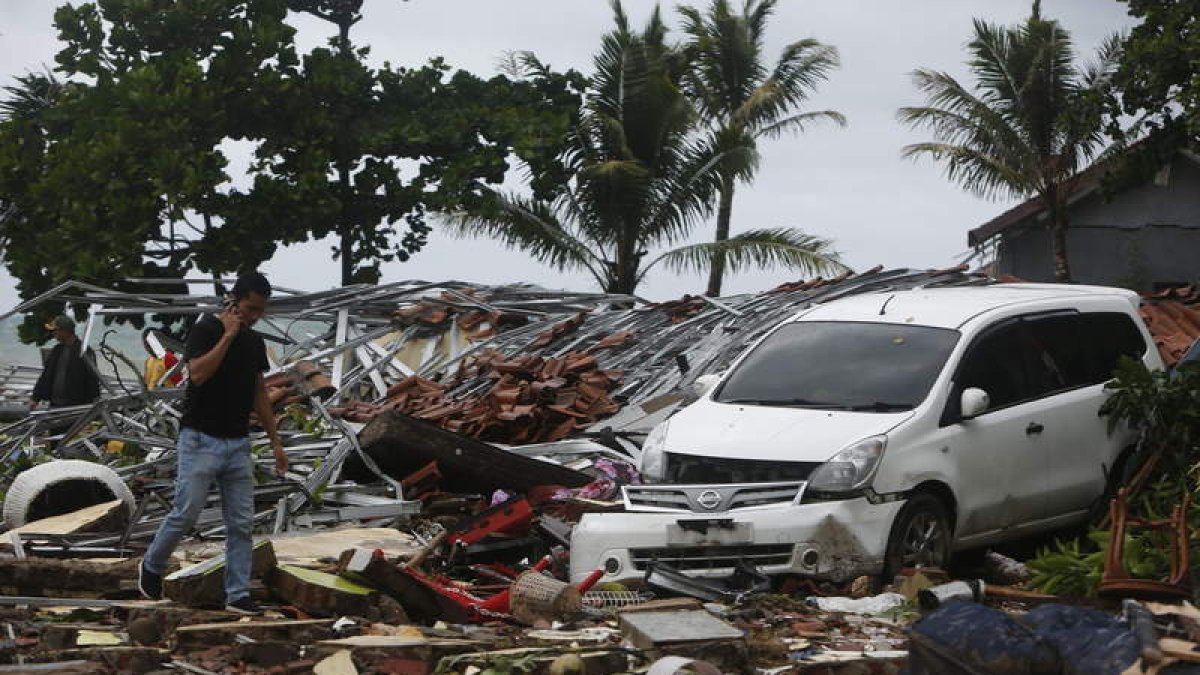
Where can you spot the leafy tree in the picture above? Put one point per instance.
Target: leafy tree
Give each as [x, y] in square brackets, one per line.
[1159, 85]
[362, 153]
[742, 99]
[1159, 74]
[127, 149]
[641, 177]
[122, 172]
[1032, 122]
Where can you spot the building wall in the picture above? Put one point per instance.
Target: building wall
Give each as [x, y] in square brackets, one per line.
[1143, 236]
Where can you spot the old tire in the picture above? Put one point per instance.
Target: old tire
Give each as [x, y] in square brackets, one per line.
[920, 536]
[62, 486]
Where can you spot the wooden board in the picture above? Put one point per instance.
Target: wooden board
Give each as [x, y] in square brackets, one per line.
[312, 548]
[108, 516]
[208, 634]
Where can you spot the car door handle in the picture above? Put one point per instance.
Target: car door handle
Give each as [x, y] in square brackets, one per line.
[1034, 428]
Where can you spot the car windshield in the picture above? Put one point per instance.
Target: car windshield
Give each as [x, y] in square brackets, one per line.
[872, 367]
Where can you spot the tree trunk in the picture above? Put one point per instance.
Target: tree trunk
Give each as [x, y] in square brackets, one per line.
[724, 213]
[345, 227]
[626, 265]
[218, 289]
[1058, 238]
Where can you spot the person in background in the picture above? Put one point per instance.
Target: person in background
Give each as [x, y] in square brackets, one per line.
[69, 376]
[225, 361]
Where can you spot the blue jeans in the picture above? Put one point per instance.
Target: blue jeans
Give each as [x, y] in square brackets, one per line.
[203, 460]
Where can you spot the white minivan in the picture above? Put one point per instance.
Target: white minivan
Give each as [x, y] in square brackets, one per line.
[881, 431]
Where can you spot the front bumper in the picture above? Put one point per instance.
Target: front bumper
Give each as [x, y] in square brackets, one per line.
[835, 540]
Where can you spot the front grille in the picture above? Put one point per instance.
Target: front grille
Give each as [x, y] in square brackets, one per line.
[712, 557]
[710, 498]
[696, 469]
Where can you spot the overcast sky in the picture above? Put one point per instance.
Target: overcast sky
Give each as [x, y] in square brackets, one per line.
[849, 185]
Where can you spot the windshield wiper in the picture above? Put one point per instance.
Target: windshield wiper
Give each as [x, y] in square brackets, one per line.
[786, 402]
[879, 406]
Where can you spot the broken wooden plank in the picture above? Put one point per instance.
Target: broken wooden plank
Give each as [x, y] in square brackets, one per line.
[169, 616]
[321, 594]
[313, 549]
[105, 517]
[401, 445]
[112, 659]
[297, 632]
[203, 584]
[62, 667]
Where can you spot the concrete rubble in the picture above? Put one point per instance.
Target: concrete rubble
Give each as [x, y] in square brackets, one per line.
[443, 440]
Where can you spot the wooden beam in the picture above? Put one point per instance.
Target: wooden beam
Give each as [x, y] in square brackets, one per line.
[400, 445]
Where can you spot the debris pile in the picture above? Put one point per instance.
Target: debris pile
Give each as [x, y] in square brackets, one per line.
[443, 441]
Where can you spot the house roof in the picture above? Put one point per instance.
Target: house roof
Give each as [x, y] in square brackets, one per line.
[1085, 182]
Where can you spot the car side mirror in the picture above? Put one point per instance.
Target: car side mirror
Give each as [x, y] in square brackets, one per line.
[974, 402]
[705, 383]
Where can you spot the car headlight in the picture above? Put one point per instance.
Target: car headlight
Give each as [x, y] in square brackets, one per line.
[851, 469]
[653, 462]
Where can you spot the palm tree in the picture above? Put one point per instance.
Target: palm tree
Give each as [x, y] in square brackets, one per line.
[1031, 123]
[642, 178]
[31, 96]
[741, 99]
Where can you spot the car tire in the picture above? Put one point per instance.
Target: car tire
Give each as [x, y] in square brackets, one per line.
[62, 486]
[920, 536]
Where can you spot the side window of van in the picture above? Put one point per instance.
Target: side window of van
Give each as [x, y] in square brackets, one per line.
[996, 363]
[1109, 336]
[1031, 357]
[1080, 350]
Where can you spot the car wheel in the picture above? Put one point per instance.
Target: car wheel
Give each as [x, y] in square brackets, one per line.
[920, 536]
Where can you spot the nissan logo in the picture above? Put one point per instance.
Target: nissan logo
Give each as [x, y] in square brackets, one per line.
[709, 499]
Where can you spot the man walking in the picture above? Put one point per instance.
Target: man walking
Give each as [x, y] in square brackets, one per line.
[226, 361]
[69, 376]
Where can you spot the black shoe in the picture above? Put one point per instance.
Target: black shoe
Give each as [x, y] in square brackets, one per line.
[149, 583]
[244, 606]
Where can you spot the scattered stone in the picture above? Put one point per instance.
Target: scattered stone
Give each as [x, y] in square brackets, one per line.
[145, 631]
[339, 663]
[267, 654]
[648, 630]
[568, 664]
[861, 587]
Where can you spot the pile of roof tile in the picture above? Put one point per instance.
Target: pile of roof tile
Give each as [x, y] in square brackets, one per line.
[477, 323]
[1173, 319]
[532, 398]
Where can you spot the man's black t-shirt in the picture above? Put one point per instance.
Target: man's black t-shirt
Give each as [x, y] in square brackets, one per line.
[221, 406]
